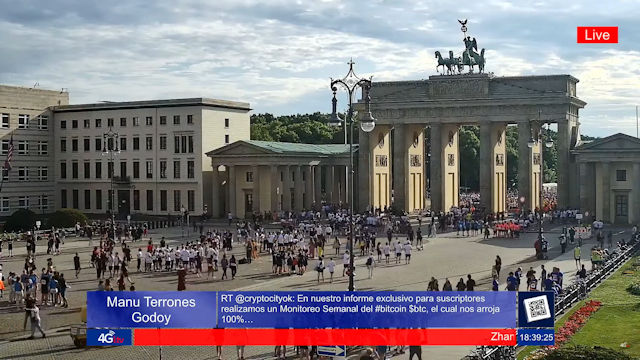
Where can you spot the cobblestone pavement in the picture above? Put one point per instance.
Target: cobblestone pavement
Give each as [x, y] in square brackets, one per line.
[448, 255]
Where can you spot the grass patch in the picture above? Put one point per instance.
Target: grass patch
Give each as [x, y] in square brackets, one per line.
[617, 321]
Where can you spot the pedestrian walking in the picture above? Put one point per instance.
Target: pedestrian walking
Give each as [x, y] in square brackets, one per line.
[320, 269]
[35, 321]
[370, 264]
[76, 264]
[576, 256]
[471, 284]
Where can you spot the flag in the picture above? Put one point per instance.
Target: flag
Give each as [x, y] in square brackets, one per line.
[7, 163]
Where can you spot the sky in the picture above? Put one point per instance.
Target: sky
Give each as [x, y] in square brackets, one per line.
[280, 55]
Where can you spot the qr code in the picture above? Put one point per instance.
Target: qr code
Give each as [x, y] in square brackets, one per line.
[537, 308]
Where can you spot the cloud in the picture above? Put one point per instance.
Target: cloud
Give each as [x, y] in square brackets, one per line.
[280, 54]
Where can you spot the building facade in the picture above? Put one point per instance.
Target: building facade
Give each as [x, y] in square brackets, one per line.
[263, 176]
[26, 118]
[160, 168]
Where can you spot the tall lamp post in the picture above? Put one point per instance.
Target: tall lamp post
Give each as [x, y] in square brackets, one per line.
[351, 83]
[543, 139]
[110, 147]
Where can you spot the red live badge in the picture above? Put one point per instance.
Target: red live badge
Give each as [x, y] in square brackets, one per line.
[597, 34]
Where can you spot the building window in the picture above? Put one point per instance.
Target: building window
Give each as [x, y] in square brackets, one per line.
[43, 122]
[74, 145]
[190, 119]
[136, 170]
[4, 204]
[43, 202]
[163, 120]
[63, 145]
[23, 147]
[98, 144]
[176, 169]
[176, 119]
[5, 174]
[43, 148]
[23, 202]
[5, 147]
[226, 123]
[123, 122]
[190, 144]
[136, 121]
[98, 169]
[149, 200]
[136, 143]
[163, 142]
[63, 170]
[63, 124]
[86, 123]
[163, 200]
[110, 144]
[109, 169]
[63, 198]
[149, 121]
[226, 139]
[191, 200]
[110, 122]
[87, 170]
[75, 201]
[5, 122]
[249, 176]
[163, 169]
[74, 170]
[176, 140]
[87, 144]
[74, 124]
[23, 173]
[149, 168]
[123, 169]
[149, 143]
[87, 199]
[123, 144]
[621, 175]
[98, 199]
[183, 147]
[98, 123]
[176, 200]
[136, 200]
[191, 174]
[23, 121]
[622, 205]
[43, 173]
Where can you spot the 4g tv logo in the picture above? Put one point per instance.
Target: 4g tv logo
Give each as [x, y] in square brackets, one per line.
[108, 337]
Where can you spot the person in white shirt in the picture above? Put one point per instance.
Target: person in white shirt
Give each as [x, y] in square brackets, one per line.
[398, 248]
[407, 252]
[345, 262]
[387, 252]
[331, 266]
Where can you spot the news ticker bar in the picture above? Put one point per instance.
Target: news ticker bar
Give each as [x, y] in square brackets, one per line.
[303, 310]
[349, 337]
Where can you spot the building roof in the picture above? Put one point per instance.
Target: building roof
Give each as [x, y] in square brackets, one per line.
[108, 105]
[287, 148]
[615, 142]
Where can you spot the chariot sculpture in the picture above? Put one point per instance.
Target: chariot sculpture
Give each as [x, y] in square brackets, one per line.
[470, 57]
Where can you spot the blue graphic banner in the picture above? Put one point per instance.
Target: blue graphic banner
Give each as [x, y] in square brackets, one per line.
[109, 337]
[367, 309]
[536, 337]
[151, 309]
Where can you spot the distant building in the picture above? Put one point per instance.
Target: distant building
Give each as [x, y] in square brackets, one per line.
[161, 166]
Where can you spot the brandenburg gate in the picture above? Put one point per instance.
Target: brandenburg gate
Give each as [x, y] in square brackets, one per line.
[392, 158]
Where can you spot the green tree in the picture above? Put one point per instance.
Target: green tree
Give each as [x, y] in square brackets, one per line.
[65, 218]
[20, 220]
[469, 147]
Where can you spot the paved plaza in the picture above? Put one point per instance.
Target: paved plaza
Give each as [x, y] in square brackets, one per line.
[447, 255]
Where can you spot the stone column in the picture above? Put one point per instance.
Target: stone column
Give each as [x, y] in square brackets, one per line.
[587, 188]
[215, 193]
[275, 188]
[399, 165]
[435, 180]
[563, 148]
[232, 190]
[329, 176]
[524, 164]
[606, 192]
[635, 193]
[317, 185]
[363, 184]
[308, 187]
[286, 188]
[299, 189]
[256, 188]
[486, 167]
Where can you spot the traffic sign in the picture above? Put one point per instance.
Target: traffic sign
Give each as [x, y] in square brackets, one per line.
[335, 351]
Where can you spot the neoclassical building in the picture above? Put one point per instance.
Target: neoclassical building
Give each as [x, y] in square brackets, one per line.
[262, 176]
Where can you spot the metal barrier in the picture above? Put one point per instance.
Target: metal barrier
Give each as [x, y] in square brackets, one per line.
[570, 295]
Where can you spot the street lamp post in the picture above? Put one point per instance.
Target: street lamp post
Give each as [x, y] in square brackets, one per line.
[351, 83]
[111, 150]
[544, 140]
